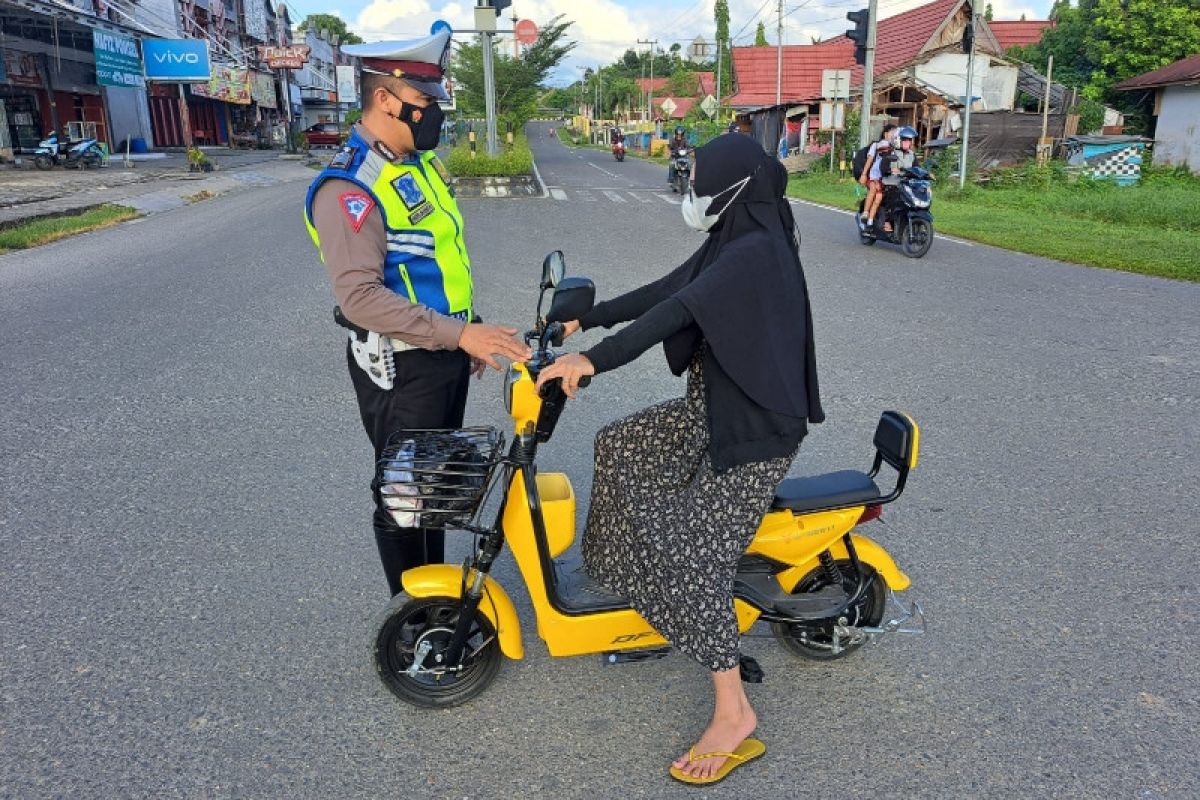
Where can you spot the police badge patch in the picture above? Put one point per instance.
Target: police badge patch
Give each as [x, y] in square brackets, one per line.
[343, 158]
[410, 193]
[356, 205]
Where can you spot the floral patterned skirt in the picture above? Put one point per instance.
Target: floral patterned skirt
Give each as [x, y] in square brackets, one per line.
[665, 532]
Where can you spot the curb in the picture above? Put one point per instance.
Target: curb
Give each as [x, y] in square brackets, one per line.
[537, 176]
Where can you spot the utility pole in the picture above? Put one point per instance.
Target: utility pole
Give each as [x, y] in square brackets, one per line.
[779, 56]
[650, 96]
[516, 44]
[718, 78]
[1043, 149]
[969, 44]
[864, 123]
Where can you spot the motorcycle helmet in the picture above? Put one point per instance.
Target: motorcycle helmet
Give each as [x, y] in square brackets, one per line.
[679, 131]
[907, 133]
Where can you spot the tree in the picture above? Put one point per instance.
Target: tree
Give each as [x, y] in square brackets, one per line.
[721, 18]
[760, 35]
[987, 12]
[328, 22]
[518, 80]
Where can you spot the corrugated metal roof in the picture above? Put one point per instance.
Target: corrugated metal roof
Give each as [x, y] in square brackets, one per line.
[1019, 33]
[1185, 70]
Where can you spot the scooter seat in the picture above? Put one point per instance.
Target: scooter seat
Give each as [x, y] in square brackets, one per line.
[577, 590]
[849, 487]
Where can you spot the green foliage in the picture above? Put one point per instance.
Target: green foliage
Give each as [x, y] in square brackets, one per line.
[1091, 115]
[682, 82]
[43, 231]
[760, 35]
[517, 79]
[987, 12]
[514, 160]
[352, 116]
[328, 22]
[1099, 43]
[721, 17]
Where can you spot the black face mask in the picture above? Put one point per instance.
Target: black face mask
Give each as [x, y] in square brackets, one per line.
[425, 122]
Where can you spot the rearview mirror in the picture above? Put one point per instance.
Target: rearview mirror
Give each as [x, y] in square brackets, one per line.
[573, 297]
[554, 267]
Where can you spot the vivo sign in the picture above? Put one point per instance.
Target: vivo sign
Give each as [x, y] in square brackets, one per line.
[176, 59]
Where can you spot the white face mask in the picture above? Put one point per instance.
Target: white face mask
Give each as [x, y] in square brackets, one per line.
[695, 209]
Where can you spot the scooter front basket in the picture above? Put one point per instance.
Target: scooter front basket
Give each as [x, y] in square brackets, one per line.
[437, 478]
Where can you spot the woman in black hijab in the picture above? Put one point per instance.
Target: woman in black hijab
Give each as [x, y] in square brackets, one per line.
[680, 487]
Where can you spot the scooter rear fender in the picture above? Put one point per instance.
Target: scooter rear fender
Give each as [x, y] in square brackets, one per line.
[445, 580]
[869, 552]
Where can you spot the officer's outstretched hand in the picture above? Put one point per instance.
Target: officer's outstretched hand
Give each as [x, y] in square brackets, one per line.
[484, 342]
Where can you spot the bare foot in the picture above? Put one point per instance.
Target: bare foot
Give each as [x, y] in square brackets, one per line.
[723, 735]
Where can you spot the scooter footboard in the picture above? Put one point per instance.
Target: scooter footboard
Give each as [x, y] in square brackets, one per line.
[445, 580]
[869, 552]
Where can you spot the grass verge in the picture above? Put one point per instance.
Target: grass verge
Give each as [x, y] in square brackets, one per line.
[44, 231]
[1122, 228]
[510, 161]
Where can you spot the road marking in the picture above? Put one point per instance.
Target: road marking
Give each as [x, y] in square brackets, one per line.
[558, 194]
[602, 169]
[640, 198]
[942, 236]
[616, 198]
[672, 199]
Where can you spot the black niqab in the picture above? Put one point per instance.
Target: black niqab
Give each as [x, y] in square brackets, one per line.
[745, 286]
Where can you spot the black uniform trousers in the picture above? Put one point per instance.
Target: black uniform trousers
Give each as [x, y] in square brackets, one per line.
[430, 391]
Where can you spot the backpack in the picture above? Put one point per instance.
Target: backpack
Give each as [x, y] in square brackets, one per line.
[859, 162]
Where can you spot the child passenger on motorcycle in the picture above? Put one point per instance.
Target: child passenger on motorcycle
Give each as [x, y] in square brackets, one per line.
[872, 174]
[680, 487]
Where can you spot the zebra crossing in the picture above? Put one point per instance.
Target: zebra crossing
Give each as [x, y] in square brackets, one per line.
[622, 196]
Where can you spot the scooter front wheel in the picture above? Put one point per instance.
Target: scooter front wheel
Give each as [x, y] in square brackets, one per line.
[43, 162]
[817, 643]
[410, 640]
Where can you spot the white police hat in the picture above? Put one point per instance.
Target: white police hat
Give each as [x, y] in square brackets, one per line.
[418, 62]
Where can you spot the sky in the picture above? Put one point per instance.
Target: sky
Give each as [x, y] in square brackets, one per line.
[604, 29]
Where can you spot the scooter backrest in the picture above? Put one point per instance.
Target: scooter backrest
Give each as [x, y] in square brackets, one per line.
[896, 440]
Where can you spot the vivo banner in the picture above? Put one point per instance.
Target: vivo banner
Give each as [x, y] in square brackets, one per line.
[176, 59]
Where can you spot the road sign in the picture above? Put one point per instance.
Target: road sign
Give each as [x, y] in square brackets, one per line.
[668, 106]
[526, 31]
[835, 84]
[709, 105]
[833, 116]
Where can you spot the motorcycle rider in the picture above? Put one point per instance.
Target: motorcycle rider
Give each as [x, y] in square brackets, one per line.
[678, 142]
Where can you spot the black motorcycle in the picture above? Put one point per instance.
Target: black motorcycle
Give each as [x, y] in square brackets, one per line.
[681, 170]
[906, 207]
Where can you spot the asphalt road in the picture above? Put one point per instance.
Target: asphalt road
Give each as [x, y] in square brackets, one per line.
[187, 571]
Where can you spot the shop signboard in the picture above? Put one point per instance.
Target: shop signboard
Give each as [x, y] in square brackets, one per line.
[21, 68]
[118, 62]
[228, 84]
[254, 17]
[262, 90]
[292, 56]
[347, 91]
[178, 60]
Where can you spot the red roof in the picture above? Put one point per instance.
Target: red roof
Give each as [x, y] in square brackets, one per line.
[1019, 33]
[656, 85]
[708, 83]
[1186, 70]
[682, 105]
[898, 41]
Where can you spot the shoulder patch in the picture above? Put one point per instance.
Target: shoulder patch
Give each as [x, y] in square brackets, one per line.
[410, 193]
[344, 157]
[440, 169]
[356, 205]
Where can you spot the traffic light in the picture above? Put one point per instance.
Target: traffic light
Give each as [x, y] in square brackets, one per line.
[501, 5]
[858, 34]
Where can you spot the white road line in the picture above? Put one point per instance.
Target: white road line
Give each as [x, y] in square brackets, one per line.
[602, 169]
[616, 198]
[641, 198]
[672, 199]
[558, 194]
[851, 213]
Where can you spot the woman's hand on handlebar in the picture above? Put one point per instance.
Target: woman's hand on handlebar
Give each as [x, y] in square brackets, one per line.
[571, 367]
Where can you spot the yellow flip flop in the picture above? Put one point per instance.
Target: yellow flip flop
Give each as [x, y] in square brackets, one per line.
[748, 750]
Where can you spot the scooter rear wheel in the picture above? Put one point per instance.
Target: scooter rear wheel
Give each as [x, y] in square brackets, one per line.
[817, 644]
[43, 162]
[408, 623]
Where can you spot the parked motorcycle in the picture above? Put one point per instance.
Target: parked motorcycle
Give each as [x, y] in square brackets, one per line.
[824, 588]
[82, 154]
[681, 163]
[906, 207]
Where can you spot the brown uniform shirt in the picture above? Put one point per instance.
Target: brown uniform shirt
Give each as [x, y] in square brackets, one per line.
[354, 261]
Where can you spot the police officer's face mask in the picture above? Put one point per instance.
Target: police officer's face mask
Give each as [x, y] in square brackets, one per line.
[425, 122]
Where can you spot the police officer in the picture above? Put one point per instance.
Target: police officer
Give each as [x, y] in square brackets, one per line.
[384, 219]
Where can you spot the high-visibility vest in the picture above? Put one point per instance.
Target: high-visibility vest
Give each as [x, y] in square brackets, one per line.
[426, 258]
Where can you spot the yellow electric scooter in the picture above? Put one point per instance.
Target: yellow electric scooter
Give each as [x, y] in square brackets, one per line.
[824, 589]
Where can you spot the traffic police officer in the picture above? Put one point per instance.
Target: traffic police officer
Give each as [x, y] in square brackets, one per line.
[390, 234]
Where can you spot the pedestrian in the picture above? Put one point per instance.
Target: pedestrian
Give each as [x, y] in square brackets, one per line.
[383, 216]
[680, 487]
